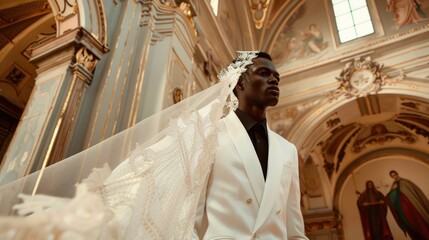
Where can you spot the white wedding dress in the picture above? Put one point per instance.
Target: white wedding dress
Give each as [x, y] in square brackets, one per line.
[159, 168]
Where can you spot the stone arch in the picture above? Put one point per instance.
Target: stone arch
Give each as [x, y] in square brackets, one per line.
[304, 127]
[305, 135]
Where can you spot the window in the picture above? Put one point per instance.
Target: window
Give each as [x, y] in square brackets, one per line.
[352, 18]
[215, 6]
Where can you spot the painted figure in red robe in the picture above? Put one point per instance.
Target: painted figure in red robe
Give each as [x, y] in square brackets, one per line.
[373, 211]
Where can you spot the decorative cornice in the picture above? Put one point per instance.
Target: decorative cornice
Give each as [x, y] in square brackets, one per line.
[146, 14]
[162, 19]
[76, 47]
[361, 48]
[76, 36]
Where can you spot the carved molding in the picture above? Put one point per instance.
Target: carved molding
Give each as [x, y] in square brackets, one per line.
[102, 22]
[259, 11]
[146, 14]
[360, 78]
[157, 37]
[158, 16]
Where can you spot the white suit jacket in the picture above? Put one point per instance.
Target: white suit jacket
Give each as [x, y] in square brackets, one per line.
[237, 203]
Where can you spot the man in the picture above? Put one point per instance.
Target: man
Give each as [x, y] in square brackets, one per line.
[253, 189]
[409, 207]
[373, 211]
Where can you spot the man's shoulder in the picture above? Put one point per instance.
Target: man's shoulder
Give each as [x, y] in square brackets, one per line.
[281, 139]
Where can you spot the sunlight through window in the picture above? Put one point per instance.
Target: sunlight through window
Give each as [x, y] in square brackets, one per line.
[215, 6]
[352, 18]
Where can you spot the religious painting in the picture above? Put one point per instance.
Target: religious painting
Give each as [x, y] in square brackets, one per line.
[407, 11]
[300, 38]
[385, 199]
[402, 15]
[373, 213]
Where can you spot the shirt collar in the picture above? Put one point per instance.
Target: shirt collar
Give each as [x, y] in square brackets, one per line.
[248, 122]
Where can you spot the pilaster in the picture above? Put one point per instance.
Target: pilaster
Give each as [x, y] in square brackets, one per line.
[65, 67]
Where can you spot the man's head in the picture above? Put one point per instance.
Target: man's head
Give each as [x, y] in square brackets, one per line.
[258, 86]
[393, 174]
[369, 184]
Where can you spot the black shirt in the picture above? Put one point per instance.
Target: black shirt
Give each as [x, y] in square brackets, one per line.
[258, 133]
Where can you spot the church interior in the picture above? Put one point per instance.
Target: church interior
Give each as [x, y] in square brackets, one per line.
[354, 85]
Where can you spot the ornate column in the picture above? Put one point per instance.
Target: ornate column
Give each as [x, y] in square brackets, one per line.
[153, 55]
[65, 67]
[173, 40]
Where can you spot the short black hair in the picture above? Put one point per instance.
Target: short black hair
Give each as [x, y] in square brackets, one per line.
[393, 171]
[264, 55]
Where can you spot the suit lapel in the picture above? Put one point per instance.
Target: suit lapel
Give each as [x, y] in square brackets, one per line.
[247, 154]
[273, 182]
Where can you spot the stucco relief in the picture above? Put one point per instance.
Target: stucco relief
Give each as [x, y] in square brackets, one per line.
[360, 78]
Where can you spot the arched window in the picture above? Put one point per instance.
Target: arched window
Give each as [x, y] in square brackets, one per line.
[353, 19]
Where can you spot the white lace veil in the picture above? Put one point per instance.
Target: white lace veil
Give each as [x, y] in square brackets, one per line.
[159, 168]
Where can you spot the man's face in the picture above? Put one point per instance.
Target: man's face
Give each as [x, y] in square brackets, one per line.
[260, 84]
[394, 175]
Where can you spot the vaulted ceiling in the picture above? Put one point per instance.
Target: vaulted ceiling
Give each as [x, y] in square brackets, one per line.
[23, 24]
